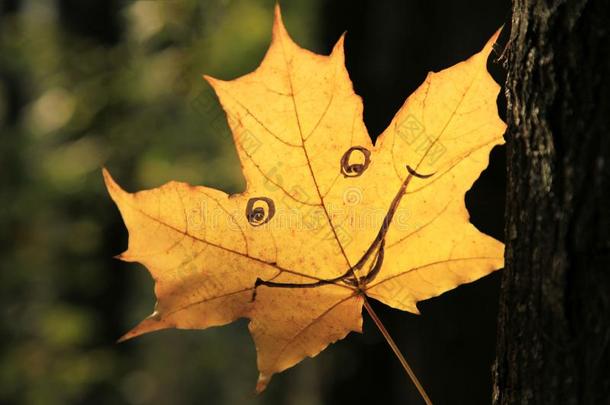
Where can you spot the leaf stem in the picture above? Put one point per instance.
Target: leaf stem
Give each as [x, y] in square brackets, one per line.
[396, 351]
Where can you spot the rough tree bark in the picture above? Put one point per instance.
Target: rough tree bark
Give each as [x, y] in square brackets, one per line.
[554, 325]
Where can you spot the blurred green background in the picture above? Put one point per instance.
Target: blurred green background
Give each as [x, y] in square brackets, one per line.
[86, 84]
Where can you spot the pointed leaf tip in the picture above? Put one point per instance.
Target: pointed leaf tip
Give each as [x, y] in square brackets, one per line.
[263, 381]
[211, 80]
[339, 47]
[106, 175]
[123, 338]
[492, 41]
[111, 185]
[150, 324]
[277, 13]
[279, 31]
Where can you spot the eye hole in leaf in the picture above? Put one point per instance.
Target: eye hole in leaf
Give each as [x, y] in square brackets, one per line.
[355, 161]
[260, 210]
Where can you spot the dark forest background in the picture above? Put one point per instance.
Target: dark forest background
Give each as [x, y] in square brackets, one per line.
[92, 83]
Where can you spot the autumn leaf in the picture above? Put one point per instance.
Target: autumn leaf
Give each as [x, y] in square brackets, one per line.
[327, 217]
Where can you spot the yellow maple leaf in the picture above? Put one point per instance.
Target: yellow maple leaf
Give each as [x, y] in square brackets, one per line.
[327, 218]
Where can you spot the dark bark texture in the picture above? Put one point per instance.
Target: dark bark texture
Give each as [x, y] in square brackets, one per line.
[554, 324]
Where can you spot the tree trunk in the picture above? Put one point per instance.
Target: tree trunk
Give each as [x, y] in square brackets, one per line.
[554, 323]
